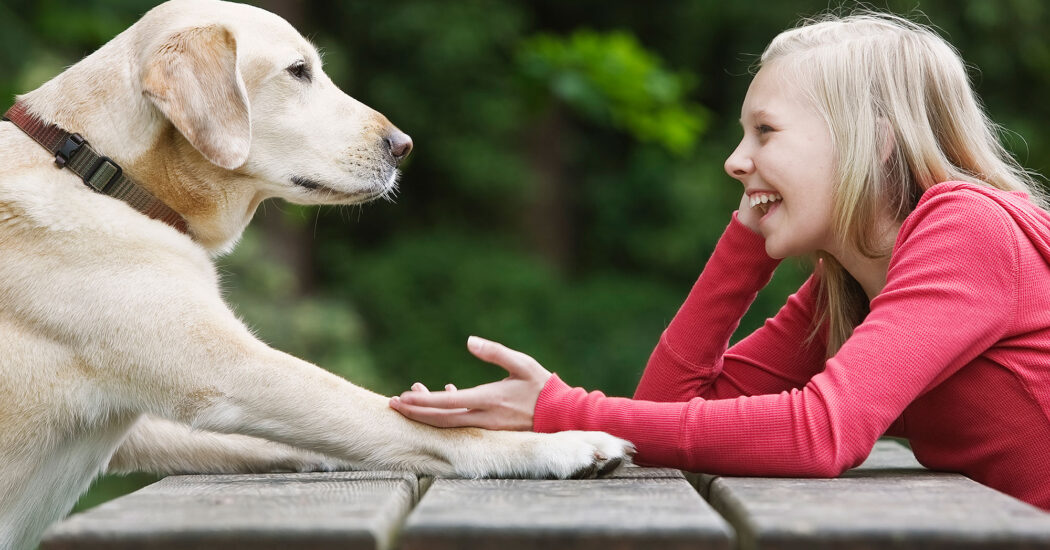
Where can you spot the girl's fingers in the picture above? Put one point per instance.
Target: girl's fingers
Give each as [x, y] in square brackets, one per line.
[514, 362]
[441, 418]
[472, 398]
[418, 386]
[457, 418]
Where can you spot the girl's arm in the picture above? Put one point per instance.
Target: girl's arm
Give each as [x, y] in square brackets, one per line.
[691, 360]
[951, 293]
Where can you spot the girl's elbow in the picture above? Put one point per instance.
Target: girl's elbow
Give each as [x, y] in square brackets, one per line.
[835, 463]
[830, 467]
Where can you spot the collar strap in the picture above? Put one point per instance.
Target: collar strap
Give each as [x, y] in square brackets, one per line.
[99, 172]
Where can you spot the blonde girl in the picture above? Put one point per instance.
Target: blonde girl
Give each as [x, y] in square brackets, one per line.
[927, 315]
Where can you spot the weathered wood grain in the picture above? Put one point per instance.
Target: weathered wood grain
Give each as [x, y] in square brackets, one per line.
[318, 510]
[887, 454]
[890, 455]
[636, 472]
[639, 508]
[888, 502]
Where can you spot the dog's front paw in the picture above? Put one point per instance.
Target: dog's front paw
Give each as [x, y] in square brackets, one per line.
[582, 455]
[561, 455]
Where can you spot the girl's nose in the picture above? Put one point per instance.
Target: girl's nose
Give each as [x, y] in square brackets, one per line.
[739, 164]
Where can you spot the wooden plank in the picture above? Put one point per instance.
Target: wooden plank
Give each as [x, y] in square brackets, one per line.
[314, 510]
[888, 502]
[638, 508]
[887, 454]
[637, 472]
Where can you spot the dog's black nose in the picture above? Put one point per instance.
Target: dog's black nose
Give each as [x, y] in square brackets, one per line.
[400, 144]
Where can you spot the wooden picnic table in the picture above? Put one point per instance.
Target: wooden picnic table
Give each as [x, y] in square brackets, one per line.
[888, 502]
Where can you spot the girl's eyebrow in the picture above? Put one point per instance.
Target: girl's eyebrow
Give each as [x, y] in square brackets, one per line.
[756, 114]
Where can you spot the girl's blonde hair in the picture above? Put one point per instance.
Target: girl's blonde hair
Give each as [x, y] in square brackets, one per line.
[903, 117]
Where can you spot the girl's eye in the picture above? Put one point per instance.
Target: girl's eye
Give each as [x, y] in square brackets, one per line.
[764, 128]
[300, 71]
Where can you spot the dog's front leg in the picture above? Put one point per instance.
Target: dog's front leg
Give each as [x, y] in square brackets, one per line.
[167, 345]
[165, 447]
[269, 394]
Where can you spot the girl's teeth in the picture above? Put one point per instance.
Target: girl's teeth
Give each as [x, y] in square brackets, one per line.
[764, 198]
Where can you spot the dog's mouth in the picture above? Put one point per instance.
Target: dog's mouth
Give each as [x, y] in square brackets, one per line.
[320, 188]
[334, 194]
[310, 184]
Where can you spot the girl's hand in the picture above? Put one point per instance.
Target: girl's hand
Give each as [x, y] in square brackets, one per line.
[505, 405]
[747, 215]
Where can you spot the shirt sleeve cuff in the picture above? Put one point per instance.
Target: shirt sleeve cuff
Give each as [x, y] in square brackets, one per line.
[549, 415]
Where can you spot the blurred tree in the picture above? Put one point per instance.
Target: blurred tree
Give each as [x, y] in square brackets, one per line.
[612, 81]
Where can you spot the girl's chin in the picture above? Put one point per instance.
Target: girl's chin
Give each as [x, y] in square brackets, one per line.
[776, 248]
[775, 252]
[779, 250]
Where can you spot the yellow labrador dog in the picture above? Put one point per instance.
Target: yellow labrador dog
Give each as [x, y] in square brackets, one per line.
[117, 352]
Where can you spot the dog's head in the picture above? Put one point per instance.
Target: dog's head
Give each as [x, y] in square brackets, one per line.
[248, 93]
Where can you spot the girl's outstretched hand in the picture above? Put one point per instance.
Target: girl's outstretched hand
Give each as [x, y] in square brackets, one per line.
[505, 405]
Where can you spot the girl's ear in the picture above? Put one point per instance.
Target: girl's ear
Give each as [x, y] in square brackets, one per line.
[887, 139]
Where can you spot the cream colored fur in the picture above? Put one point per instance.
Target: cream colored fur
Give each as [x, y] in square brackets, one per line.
[117, 352]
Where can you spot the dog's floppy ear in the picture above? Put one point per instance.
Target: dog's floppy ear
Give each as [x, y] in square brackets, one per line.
[193, 79]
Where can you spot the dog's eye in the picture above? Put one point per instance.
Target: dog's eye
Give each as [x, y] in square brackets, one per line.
[300, 71]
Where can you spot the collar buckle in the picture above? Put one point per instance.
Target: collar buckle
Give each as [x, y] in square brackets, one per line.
[69, 147]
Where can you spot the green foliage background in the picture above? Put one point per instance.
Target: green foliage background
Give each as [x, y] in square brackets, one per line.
[566, 187]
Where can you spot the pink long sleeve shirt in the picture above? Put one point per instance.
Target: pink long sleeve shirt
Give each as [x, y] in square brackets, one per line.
[954, 356]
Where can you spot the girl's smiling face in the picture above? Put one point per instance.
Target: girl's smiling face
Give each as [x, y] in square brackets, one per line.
[786, 162]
